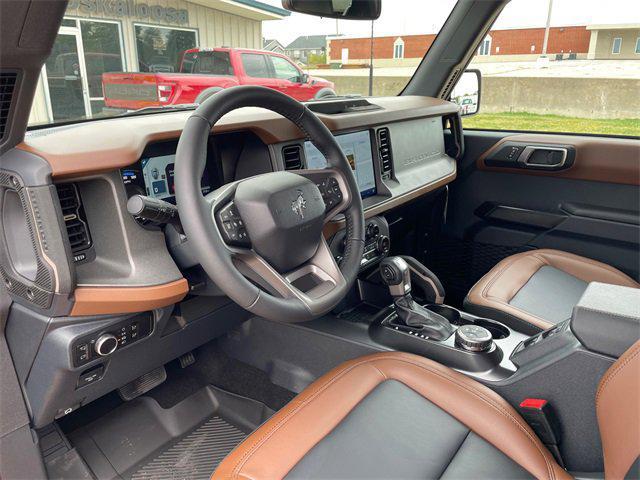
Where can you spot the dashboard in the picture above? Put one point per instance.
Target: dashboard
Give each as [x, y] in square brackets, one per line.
[105, 274]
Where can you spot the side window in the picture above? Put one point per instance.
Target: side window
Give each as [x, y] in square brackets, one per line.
[284, 69]
[565, 70]
[255, 65]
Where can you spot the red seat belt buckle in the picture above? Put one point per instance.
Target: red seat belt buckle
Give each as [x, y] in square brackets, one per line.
[540, 416]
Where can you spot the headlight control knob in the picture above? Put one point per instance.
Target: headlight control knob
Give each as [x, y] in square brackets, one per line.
[383, 244]
[106, 344]
[474, 338]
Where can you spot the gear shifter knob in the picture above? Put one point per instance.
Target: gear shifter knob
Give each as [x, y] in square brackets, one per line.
[396, 275]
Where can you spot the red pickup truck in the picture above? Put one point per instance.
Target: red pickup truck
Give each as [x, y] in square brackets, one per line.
[204, 72]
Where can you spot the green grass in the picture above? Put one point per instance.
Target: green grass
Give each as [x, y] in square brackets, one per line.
[553, 123]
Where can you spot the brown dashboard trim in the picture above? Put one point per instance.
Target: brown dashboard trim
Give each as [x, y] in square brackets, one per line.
[599, 159]
[333, 227]
[117, 300]
[105, 145]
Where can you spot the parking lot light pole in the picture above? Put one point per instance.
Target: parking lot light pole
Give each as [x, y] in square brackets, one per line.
[371, 63]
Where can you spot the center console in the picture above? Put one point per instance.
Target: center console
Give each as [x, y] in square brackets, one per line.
[480, 347]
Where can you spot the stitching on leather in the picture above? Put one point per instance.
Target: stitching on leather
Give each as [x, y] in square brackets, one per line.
[489, 402]
[259, 442]
[610, 376]
[286, 418]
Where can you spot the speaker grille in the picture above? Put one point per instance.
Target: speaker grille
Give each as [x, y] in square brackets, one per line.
[40, 290]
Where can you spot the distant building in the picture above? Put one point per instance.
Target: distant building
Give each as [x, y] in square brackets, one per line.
[303, 46]
[614, 42]
[521, 44]
[272, 45]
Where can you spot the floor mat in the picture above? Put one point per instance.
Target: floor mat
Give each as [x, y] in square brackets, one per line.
[196, 455]
[142, 440]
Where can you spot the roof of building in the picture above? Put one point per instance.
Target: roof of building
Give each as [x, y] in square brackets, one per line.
[246, 8]
[309, 41]
[267, 41]
[614, 26]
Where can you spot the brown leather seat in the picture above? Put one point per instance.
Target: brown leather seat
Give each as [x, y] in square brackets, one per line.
[431, 422]
[534, 290]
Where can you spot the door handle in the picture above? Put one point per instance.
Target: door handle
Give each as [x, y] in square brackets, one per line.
[544, 157]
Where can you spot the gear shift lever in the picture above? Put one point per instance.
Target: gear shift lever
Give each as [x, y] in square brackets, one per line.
[396, 274]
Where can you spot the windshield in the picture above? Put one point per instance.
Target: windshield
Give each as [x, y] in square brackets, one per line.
[115, 58]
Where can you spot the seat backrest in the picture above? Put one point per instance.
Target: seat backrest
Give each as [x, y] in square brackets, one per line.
[618, 409]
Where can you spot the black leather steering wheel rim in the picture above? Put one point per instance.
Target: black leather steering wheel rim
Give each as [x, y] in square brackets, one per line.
[198, 220]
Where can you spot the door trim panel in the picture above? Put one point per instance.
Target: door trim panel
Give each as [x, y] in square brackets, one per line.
[599, 159]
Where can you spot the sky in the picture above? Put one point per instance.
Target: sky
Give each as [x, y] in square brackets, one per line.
[407, 17]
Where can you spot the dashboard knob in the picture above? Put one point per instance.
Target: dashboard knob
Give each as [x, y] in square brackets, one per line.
[106, 344]
[474, 338]
[372, 230]
[383, 244]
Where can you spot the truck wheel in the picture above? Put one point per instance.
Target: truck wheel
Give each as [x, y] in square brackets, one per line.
[206, 94]
[324, 93]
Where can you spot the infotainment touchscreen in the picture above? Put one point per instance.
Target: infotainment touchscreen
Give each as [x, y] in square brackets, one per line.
[357, 148]
[158, 178]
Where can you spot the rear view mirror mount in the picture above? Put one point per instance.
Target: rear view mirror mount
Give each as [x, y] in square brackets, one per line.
[344, 9]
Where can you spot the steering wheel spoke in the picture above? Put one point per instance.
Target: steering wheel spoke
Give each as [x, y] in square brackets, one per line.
[333, 188]
[308, 283]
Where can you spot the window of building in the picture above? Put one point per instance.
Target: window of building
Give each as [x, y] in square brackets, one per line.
[398, 48]
[638, 45]
[160, 49]
[485, 46]
[85, 49]
[617, 45]
[284, 69]
[255, 65]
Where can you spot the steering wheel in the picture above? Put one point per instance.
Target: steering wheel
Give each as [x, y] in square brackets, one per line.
[260, 239]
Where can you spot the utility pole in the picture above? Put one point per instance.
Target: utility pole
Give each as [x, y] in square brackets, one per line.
[546, 30]
[371, 63]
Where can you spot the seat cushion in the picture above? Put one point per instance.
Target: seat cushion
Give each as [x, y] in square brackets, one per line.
[393, 415]
[532, 291]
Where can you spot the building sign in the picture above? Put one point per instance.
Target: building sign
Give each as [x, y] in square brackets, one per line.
[131, 9]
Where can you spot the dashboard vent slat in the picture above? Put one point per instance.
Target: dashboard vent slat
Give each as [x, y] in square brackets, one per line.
[385, 153]
[7, 86]
[292, 157]
[74, 219]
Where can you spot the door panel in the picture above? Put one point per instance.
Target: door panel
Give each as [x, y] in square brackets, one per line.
[590, 208]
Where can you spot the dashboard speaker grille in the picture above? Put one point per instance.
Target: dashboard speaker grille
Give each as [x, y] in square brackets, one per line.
[74, 218]
[292, 157]
[7, 86]
[386, 155]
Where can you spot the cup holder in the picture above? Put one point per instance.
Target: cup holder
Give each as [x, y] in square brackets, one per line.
[449, 313]
[497, 330]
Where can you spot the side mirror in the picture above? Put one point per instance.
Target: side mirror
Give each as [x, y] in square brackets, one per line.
[466, 93]
[344, 9]
[304, 78]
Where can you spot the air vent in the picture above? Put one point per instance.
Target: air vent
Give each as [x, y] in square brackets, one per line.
[292, 157]
[74, 218]
[7, 85]
[386, 156]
